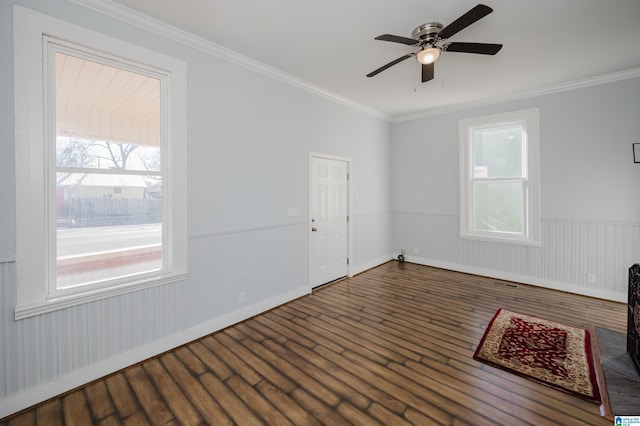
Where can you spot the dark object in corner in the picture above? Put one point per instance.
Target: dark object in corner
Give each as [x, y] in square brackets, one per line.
[401, 255]
[633, 316]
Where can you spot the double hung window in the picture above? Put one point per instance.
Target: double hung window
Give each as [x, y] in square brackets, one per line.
[108, 170]
[100, 165]
[499, 176]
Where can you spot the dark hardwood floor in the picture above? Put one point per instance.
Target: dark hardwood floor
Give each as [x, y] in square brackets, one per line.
[391, 346]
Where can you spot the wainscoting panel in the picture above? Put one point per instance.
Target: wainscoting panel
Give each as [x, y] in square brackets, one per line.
[571, 252]
[48, 354]
[8, 353]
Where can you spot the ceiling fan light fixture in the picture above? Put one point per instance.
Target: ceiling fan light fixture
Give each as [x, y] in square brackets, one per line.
[428, 56]
[428, 41]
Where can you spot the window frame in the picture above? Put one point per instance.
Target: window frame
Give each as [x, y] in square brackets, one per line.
[51, 47]
[35, 163]
[530, 179]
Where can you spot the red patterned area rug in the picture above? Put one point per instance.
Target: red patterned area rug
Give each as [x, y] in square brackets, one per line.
[547, 352]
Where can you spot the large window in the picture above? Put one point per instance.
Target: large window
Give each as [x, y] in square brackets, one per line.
[108, 170]
[101, 165]
[499, 177]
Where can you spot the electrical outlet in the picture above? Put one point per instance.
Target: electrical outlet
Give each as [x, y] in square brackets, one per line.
[591, 278]
[242, 297]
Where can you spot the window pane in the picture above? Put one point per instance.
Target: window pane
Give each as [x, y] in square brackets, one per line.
[106, 117]
[108, 223]
[102, 102]
[108, 226]
[498, 206]
[497, 152]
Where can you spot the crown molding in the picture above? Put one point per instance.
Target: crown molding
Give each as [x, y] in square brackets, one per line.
[145, 22]
[562, 87]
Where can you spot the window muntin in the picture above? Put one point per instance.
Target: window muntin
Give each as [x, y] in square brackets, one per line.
[499, 176]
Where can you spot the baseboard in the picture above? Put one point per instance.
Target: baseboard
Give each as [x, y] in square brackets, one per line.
[37, 394]
[358, 269]
[507, 276]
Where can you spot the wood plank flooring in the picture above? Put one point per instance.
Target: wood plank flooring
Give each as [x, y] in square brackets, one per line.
[390, 346]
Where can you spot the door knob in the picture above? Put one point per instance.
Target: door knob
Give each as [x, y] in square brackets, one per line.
[314, 229]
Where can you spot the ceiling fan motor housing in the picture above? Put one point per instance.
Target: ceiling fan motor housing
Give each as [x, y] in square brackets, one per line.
[427, 33]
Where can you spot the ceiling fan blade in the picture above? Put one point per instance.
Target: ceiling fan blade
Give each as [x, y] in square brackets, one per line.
[390, 64]
[397, 39]
[480, 48]
[427, 72]
[476, 13]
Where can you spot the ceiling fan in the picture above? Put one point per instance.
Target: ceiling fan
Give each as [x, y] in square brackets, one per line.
[428, 39]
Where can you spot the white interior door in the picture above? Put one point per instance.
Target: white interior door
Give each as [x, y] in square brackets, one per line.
[329, 221]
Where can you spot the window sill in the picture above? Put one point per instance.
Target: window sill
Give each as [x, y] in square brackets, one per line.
[502, 240]
[51, 305]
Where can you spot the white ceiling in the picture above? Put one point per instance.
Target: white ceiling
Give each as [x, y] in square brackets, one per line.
[330, 44]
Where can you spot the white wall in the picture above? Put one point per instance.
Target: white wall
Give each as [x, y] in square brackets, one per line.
[249, 139]
[7, 170]
[589, 189]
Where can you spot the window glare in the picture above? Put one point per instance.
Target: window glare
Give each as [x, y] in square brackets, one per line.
[497, 152]
[498, 206]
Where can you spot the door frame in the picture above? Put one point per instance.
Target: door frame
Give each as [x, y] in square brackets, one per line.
[349, 164]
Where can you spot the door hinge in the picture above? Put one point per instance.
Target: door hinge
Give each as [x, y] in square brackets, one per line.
[347, 218]
[347, 260]
[347, 176]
